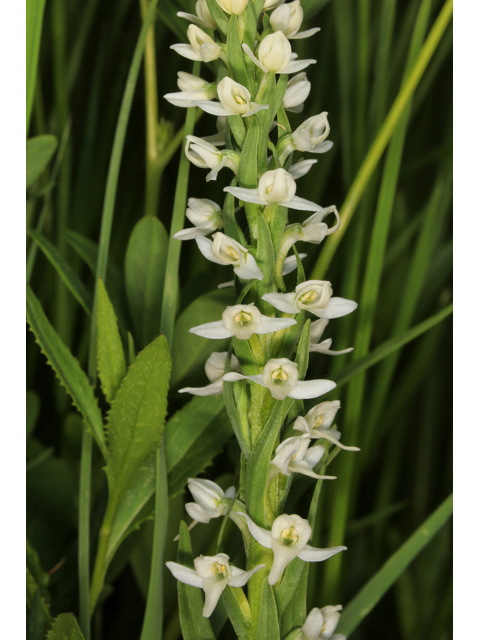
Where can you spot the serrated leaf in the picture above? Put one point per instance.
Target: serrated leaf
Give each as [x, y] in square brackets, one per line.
[145, 265]
[190, 599]
[39, 153]
[65, 627]
[137, 415]
[35, 568]
[267, 628]
[41, 617]
[112, 368]
[65, 271]
[67, 368]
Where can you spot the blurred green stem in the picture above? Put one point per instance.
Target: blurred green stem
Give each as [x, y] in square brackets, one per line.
[84, 533]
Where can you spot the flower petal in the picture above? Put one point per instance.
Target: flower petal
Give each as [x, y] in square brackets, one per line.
[311, 554]
[214, 108]
[297, 65]
[250, 270]
[240, 577]
[225, 285]
[192, 232]
[185, 575]
[195, 19]
[262, 536]
[300, 204]
[198, 514]
[290, 263]
[213, 587]
[304, 34]
[187, 51]
[270, 325]
[311, 389]
[336, 308]
[212, 330]
[282, 301]
[252, 57]
[326, 435]
[214, 389]
[303, 468]
[282, 555]
[254, 108]
[301, 168]
[232, 376]
[247, 195]
[205, 246]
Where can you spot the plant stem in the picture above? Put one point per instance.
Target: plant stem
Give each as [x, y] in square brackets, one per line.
[84, 533]
[100, 568]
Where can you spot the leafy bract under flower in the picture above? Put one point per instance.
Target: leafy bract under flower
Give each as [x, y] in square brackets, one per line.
[314, 296]
[215, 369]
[227, 251]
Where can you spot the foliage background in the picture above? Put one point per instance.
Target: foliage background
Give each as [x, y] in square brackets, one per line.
[400, 417]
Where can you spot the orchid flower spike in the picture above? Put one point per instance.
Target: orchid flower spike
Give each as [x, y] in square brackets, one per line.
[215, 369]
[314, 296]
[235, 7]
[289, 265]
[288, 19]
[321, 623]
[241, 321]
[275, 55]
[288, 539]
[205, 214]
[192, 89]
[297, 91]
[280, 375]
[225, 250]
[294, 456]
[316, 331]
[274, 187]
[212, 574]
[201, 48]
[203, 18]
[206, 156]
[235, 99]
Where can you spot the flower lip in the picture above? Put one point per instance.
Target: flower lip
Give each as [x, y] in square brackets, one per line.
[277, 185]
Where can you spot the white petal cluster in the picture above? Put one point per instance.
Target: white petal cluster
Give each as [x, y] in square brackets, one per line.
[235, 99]
[205, 214]
[203, 17]
[205, 155]
[289, 265]
[288, 539]
[280, 376]
[212, 574]
[297, 91]
[314, 296]
[214, 369]
[311, 135]
[316, 424]
[274, 187]
[242, 321]
[235, 7]
[201, 48]
[293, 455]
[288, 19]
[227, 251]
[316, 332]
[321, 623]
[275, 55]
[192, 89]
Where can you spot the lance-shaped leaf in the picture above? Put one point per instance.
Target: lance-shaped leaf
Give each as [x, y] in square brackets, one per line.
[65, 627]
[267, 628]
[39, 153]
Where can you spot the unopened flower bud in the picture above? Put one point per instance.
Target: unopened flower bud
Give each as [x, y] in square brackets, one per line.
[277, 186]
[311, 134]
[298, 89]
[235, 7]
[275, 52]
[203, 44]
[287, 18]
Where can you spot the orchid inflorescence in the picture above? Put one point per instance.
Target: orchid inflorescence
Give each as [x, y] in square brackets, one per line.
[262, 375]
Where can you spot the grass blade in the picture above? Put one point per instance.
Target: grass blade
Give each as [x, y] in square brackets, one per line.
[34, 33]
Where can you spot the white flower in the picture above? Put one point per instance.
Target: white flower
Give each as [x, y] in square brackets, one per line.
[280, 375]
[311, 134]
[202, 47]
[321, 623]
[298, 90]
[242, 321]
[235, 99]
[218, 139]
[289, 265]
[316, 332]
[314, 296]
[203, 17]
[301, 168]
[272, 4]
[225, 250]
[275, 55]
[275, 186]
[192, 89]
[288, 539]
[235, 7]
[294, 456]
[316, 424]
[207, 156]
[215, 369]
[212, 574]
[205, 214]
[288, 19]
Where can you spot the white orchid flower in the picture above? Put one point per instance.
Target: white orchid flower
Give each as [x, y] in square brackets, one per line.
[316, 332]
[235, 7]
[272, 4]
[202, 47]
[288, 19]
[294, 456]
[235, 99]
[276, 186]
[242, 321]
[205, 214]
[227, 251]
[289, 265]
[301, 168]
[321, 623]
[316, 424]
[206, 156]
[311, 134]
[215, 370]
[314, 296]
[203, 17]
[280, 376]
[275, 55]
[297, 91]
[288, 539]
[192, 89]
[212, 574]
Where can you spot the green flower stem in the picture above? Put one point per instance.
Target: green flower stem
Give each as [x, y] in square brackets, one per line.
[383, 138]
[100, 568]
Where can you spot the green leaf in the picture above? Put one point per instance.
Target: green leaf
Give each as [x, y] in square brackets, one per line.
[145, 265]
[36, 626]
[110, 356]
[247, 169]
[218, 15]
[265, 257]
[235, 59]
[238, 611]
[189, 352]
[267, 628]
[34, 11]
[39, 153]
[289, 584]
[190, 600]
[67, 368]
[65, 627]
[65, 271]
[36, 602]
[381, 582]
[137, 415]
[32, 410]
